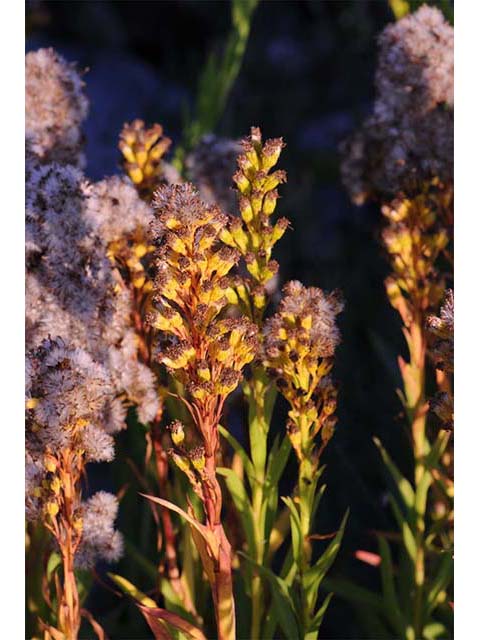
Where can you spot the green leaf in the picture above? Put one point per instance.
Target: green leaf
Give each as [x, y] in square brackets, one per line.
[296, 529]
[84, 581]
[368, 600]
[407, 535]
[440, 583]
[242, 504]
[237, 447]
[277, 461]
[131, 590]
[281, 600]
[435, 630]
[422, 494]
[318, 617]
[314, 576]
[289, 568]
[172, 600]
[54, 562]
[268, 513]
[318, 494]
[388, 586]
[403, 485]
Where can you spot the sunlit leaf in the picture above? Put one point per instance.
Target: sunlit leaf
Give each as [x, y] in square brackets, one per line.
[242, 503]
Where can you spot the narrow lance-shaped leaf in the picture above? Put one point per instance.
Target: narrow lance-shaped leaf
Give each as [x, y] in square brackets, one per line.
[242, 504]
[403, 485]
[314, 576]
[237, 447]
[388, 586]
[282, 600]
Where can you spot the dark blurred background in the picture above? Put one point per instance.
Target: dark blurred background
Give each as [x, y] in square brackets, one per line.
[308, 75]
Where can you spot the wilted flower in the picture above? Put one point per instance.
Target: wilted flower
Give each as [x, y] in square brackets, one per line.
[442, 330]
[99, 541]
[122, 220]
[55, 107]
[409, 137]
[68, 396]
[72, 287]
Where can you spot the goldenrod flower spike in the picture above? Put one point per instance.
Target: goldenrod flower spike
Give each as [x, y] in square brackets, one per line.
[206, 353]
[298, 349]
[299, 344]
[142, 150]
[254, 235]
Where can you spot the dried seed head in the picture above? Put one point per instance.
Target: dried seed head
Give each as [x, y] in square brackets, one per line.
[409, 137]
[55, 108]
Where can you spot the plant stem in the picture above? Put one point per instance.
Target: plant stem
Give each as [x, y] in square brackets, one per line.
[69, 606]
[258, 428]
[414, 384]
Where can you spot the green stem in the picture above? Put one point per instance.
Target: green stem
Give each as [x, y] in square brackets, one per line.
[259, 423]
[305, 481]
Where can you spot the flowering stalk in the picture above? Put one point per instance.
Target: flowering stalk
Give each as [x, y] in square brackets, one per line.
[254, 237]
[414, 239]
[67, 395]
[404, 153]
[206, 355]
[299, 344]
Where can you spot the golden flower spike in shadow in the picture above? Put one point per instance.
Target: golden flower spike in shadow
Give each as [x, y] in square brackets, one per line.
[143, 150]
[206, 354]
[441, 329]
[414, 239]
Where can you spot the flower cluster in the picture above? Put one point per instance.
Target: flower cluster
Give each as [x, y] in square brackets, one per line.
[253, 235]
[68, 396]
[55, 107]
[100, 540]
[64, 252]
[409, 137]
[192, 286]
[441, 329]
[299, 344]
[205, 352]
[122, 220]
[414, 239]
[142, 151]
[72, 289]
[210, 166]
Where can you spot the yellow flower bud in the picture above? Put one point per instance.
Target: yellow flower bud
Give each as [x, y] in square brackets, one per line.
[52, 508]
[55, 485]
[197, 458]
[140, 250]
